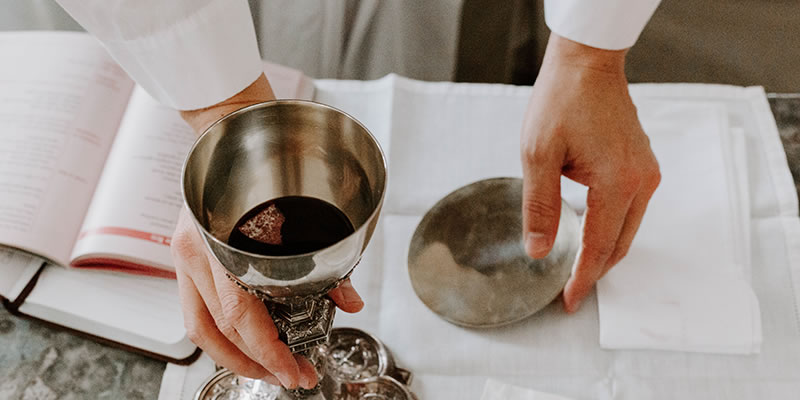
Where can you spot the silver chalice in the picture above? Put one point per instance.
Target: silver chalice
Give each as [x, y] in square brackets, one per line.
[287, 148]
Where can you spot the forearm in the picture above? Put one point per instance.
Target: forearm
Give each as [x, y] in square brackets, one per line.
[258, 91]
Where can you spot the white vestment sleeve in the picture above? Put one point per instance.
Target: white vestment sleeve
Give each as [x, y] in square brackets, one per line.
[604, 24]
[188, 54]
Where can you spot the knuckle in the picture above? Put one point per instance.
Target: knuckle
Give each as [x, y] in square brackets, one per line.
[266, 352]
[247, 369]
[233, 307]
[194, 334]
[182, 245]
[654, 179]
[629, 180]
[538, 207]
[226, 328]
[537, 153]
[244, 366]
[598, 253]
[618, 255]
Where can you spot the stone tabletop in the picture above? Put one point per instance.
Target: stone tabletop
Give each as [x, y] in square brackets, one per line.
[38, 362]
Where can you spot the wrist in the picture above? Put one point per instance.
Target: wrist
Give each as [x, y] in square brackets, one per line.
[259, 91]
[562, 52]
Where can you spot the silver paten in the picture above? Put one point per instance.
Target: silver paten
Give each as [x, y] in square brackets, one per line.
[467, 260]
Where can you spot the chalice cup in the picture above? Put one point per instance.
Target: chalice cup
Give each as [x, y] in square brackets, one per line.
[287, 148]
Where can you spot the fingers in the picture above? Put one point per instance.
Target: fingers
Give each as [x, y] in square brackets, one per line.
[231, 325]
[629, 229]
[250, 318]
[346, 297]
[606, 209]
[308, 374]
[203, 332]
[541, 199]
[195, 259]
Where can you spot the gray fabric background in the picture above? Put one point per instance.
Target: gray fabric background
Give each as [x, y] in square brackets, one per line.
[741, 42]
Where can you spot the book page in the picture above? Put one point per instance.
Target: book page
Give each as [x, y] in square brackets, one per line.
[139, 311]
[61, 101]
[136, 205]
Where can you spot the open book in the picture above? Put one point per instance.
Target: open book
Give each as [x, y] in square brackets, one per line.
[90, 167]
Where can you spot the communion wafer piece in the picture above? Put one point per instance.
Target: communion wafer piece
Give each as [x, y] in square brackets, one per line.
[265, 226]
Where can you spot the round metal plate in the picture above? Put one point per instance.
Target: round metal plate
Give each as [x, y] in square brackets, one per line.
[225, 385]
[358, 366]
[378, 388]
[354, 355]
[467, 258]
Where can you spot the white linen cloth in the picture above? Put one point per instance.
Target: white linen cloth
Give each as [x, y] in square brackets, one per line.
[685, 283]
[190, 54]
[496, 390]
[440, 136]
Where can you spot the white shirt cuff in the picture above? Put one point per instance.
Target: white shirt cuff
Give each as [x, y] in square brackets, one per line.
[200, 60]
[604, 24]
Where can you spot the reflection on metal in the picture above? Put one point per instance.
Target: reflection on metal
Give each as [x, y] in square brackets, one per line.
[357, 366]
[467, 259]
[275, 149]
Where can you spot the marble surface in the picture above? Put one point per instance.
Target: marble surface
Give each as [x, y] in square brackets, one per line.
[38, 362]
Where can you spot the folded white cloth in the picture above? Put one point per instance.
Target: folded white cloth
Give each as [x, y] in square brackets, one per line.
[685, 283]
[496, 390]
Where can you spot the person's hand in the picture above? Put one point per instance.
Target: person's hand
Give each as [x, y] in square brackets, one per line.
[581, 123]
[231, 325]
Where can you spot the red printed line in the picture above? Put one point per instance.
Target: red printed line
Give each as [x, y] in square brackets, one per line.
[131, 233]
[110, 264]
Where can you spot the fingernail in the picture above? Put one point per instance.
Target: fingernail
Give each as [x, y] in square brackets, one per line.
[351, 297]
[566, 296]
[285, 381]
[573, 306]
[537, 245]
[307, 382]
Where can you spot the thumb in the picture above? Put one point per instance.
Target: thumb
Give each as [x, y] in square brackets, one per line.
[541, 203]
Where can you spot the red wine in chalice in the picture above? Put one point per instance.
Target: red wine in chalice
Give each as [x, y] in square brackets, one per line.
[290, 225]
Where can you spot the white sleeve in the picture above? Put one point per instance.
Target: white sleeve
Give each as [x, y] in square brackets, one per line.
[604, 24]
[188, 54]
